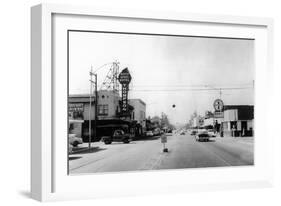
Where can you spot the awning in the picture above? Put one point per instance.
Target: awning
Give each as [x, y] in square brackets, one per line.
[112, 126]
[76, 121]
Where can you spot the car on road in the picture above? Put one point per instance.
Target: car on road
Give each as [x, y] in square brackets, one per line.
[156, 132]
[74, 140]
[212, 133]
[182, 133]
[149, 134]
[193, 132]
[117, 136]
[202, 136]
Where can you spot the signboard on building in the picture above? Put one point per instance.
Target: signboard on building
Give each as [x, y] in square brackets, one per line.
[218, 105]
[73, 107]
[75, 110]
[218, 114]
[124, 79]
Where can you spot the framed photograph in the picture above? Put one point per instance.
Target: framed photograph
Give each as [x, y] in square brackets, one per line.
[135, 102]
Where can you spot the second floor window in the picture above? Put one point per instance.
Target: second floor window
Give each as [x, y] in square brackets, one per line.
[103, 109]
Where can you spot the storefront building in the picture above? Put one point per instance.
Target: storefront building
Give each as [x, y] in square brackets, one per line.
[108, 113]
[139, 115]
[238, 120]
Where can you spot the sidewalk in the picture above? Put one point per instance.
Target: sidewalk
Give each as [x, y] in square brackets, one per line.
[239, 137]
[244, 140]
[84, 147]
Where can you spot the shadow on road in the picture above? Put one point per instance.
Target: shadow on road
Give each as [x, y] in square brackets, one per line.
[73, 158]
[211, 140]
[146, 138]
[85, 150]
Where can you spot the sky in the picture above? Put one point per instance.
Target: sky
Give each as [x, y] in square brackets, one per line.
[168, 70]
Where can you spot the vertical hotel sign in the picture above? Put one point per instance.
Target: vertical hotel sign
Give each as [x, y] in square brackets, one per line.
[124, 78]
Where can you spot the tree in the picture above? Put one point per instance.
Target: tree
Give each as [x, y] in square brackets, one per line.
[165, 122]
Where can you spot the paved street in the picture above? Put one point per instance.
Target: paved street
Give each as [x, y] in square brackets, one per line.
[184, 152]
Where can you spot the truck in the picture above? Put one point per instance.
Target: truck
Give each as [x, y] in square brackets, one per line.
[117, 136]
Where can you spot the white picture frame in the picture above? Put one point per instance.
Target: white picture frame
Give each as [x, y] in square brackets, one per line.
[49, 179]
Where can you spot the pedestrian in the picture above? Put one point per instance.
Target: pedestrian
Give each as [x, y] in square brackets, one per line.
[233, 131]
[163, 141]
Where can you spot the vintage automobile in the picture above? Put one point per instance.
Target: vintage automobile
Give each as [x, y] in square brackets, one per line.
[182, 133]
[193, 132]
[156, 132]
[117, 136]
[202, 136]
[212, 133]
[149, 133]
[74, 140]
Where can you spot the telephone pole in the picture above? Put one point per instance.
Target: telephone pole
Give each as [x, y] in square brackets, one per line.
[90, 107]
[96, 105]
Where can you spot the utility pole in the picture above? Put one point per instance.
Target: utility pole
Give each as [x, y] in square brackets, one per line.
[90, 107]
[96, 105]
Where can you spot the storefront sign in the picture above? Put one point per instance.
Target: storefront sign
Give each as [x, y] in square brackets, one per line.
[218, 105]
[124, 77]
[75, 111]
[218, 114]
[75, 107]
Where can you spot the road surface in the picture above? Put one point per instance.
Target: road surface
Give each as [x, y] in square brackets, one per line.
[184, 152]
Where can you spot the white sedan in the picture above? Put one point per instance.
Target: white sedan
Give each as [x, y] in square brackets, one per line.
[203, 136]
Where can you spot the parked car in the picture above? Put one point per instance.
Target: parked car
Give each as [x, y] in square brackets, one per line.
[202, 136]
[117, 136]
[212, 133]
[149, 133]
[74, 140]
[182, 133]
[156, 132]
[193, 132]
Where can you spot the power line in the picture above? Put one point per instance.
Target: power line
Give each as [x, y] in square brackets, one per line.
[196, 85]
[190, 89]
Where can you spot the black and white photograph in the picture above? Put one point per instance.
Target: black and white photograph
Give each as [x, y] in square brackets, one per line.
[146, 102]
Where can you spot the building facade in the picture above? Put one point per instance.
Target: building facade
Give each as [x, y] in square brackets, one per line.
[139, 115]
[238, 120]
[108, 113]
[108, 105]
[197, 121]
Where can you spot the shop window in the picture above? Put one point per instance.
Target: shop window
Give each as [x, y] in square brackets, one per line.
[103, 109]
